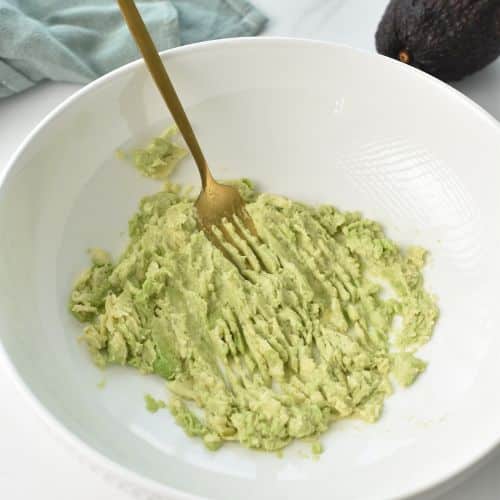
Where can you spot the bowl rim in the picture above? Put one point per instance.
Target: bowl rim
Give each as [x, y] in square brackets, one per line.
[92, 457]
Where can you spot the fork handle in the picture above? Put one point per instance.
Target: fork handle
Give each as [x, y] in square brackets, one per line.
[160, 76]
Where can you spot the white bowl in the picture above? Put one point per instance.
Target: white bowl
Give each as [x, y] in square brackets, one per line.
[313, 121]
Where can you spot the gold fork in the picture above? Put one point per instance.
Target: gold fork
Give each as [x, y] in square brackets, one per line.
[217, 203]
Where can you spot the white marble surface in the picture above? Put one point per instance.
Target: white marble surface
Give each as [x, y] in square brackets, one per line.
[35, 465]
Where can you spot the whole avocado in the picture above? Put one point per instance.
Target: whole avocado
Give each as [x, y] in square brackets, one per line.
[449, 39]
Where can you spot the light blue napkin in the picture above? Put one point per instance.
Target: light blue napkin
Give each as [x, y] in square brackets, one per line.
[78, 40]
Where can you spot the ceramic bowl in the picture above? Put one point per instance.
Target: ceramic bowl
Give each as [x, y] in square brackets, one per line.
[316, 122]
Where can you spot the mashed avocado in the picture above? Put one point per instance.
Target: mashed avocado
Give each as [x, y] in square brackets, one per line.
[159, 158]
[299, 336]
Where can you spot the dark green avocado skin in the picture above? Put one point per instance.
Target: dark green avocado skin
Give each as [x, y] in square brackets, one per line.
[449, 39]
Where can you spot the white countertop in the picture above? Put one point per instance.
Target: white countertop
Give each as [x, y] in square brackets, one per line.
[35, 465]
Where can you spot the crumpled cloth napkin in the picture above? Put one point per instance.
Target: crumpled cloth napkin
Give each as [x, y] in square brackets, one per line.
[78, 40]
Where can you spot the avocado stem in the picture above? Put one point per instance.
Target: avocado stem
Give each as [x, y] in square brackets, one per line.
[404, 56]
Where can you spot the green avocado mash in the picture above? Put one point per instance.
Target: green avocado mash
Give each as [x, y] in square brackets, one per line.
[299, 336]
[152, 404]
[159, 158]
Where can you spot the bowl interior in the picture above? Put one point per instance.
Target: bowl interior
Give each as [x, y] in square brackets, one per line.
[315, 122]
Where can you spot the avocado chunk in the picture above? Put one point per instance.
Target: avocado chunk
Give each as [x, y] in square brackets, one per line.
[448, 40]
